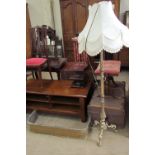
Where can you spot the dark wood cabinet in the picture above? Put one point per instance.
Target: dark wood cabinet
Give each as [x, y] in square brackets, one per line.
[123, 56]
[28, 34]
[74, 15]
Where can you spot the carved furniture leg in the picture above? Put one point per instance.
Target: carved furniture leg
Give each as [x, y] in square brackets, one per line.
[82, 109]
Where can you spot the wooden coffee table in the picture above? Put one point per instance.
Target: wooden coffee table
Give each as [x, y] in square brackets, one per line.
[57, 96]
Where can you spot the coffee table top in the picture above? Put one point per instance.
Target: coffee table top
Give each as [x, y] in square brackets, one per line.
[57, 88]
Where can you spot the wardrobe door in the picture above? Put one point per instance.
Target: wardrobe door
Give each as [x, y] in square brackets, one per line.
[116, 4]
[81, 15]
[68, 25]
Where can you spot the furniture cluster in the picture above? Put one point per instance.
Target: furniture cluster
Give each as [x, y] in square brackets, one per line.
[62, 96]
[72, 93]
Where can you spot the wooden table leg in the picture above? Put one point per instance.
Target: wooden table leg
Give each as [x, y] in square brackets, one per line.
[82, 110]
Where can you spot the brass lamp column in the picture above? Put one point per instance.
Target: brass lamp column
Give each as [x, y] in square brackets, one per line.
[102, 114]
[102, 124]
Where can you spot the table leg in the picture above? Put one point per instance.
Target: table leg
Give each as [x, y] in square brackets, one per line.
[82, 110]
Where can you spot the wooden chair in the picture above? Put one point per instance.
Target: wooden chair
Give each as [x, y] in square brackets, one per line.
[75, 70]
[111, 68]
[37, 64]
[42, 48]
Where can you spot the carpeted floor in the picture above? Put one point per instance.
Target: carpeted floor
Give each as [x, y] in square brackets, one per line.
[112, 143]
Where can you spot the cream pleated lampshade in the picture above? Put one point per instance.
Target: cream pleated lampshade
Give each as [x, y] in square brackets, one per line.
[103, 31]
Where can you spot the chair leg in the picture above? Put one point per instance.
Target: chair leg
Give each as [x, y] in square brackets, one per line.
[50, 72]
[113, 81]
[49, 69]
[40, 77]
[51, 75]
[33, 74]
[58, 74]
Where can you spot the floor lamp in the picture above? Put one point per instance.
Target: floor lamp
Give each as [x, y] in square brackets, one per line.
[102, 32]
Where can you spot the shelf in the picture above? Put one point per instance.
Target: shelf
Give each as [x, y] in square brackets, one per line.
[53, 100]
[36, 103]
[65, 101]
[61, 109]
[37, 98]
[53, 104]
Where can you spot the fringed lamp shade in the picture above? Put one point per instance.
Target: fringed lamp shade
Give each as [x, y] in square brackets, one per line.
[103, 31]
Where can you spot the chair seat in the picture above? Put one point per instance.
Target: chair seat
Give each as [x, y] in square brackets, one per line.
[35, 62]
[110, 67]
[75, 66]
[57, 63]
[74, 71]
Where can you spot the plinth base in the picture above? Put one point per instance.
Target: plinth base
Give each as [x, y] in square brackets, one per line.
[56, 125]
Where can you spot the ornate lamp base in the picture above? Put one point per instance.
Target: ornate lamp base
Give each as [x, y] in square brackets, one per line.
[103, 125]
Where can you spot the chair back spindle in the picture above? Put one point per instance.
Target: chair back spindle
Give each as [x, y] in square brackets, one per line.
[83, 57]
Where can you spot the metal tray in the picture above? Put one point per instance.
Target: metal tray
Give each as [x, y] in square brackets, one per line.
[57, 125]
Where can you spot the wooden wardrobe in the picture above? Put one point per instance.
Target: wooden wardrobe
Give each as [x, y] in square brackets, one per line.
[74, 15]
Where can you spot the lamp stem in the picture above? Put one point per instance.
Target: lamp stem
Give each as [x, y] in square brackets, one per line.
[102, 113]
[103, 125]
[102, 74]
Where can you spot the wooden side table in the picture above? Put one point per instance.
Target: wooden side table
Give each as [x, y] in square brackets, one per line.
[58, 96]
